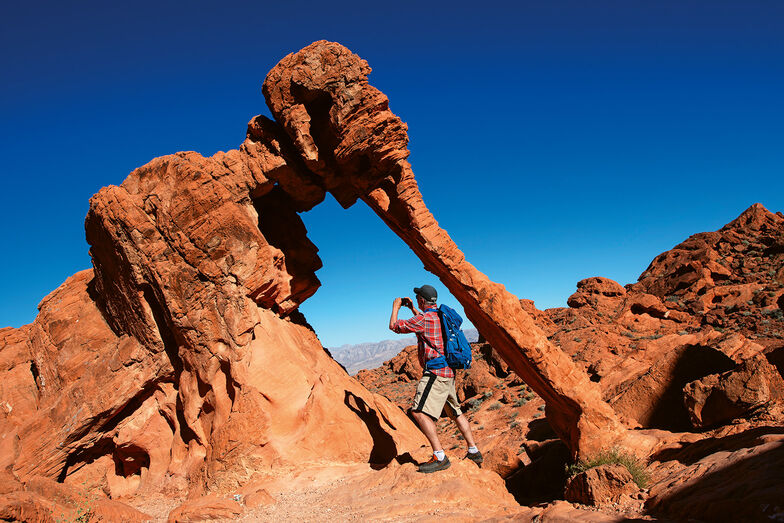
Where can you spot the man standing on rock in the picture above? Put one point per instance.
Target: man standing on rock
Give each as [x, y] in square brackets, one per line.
[436, 390]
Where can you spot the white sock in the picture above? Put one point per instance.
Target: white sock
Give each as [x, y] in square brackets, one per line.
[473, 450]
[439, 454]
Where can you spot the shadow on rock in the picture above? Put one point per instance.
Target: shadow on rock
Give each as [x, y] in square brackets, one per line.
[384, 447]
[742, 486]
[543, 480]
[690, 453]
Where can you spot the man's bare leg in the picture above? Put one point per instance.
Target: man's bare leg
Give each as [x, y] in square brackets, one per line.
[465, 429]
[428, 427]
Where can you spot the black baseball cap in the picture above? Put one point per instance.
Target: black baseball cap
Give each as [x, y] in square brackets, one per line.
[428, 292]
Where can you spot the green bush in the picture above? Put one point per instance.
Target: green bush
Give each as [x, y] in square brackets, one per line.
[614, 456]
[474, 404]
[495, 406]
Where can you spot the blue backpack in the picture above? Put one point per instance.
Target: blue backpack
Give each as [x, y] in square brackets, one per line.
[457, 351]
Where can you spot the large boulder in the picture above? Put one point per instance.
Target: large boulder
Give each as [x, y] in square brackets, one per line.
[601, 485]
[723, 397]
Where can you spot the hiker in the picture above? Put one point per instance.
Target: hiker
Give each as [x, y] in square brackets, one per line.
[436, 390]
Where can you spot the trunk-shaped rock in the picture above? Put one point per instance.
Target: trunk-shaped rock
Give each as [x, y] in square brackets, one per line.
[574, 408]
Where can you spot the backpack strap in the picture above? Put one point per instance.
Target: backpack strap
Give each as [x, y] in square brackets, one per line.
[444, 337]
[441, 353]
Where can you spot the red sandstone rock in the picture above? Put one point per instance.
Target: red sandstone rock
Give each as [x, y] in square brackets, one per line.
[41, 499]
[724, 397]
[28, 507]
[460, 491]
[595, 292]
[730, 278]
[601, 485]
[204, 509]
[742, 483]
[655, 398]
[258, 498]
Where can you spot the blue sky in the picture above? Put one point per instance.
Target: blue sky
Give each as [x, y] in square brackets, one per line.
[553, 140]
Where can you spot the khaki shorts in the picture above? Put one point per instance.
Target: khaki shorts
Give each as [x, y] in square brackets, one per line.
[433, 393]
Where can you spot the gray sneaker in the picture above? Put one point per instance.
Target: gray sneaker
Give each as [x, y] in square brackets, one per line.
[476, 457]
[434, 465]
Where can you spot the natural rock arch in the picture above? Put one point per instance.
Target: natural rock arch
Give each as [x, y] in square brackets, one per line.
[333, 133]
[356, 147]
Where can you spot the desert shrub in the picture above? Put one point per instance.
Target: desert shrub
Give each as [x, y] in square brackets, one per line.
[541, 407]
[474, 403]
[614, 456]
[84, 510]
[520, 402]
[495, 406]
[487, 394]
[513, 425]
[776, 314]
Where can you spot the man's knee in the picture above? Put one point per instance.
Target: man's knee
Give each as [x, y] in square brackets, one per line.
[420, 416]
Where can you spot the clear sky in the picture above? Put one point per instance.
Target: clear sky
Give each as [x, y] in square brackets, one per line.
[553, 140]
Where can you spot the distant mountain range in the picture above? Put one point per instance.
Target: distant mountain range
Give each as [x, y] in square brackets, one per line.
[371, 355]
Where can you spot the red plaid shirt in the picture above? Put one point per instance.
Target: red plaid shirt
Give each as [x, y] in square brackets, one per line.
[426, 325]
